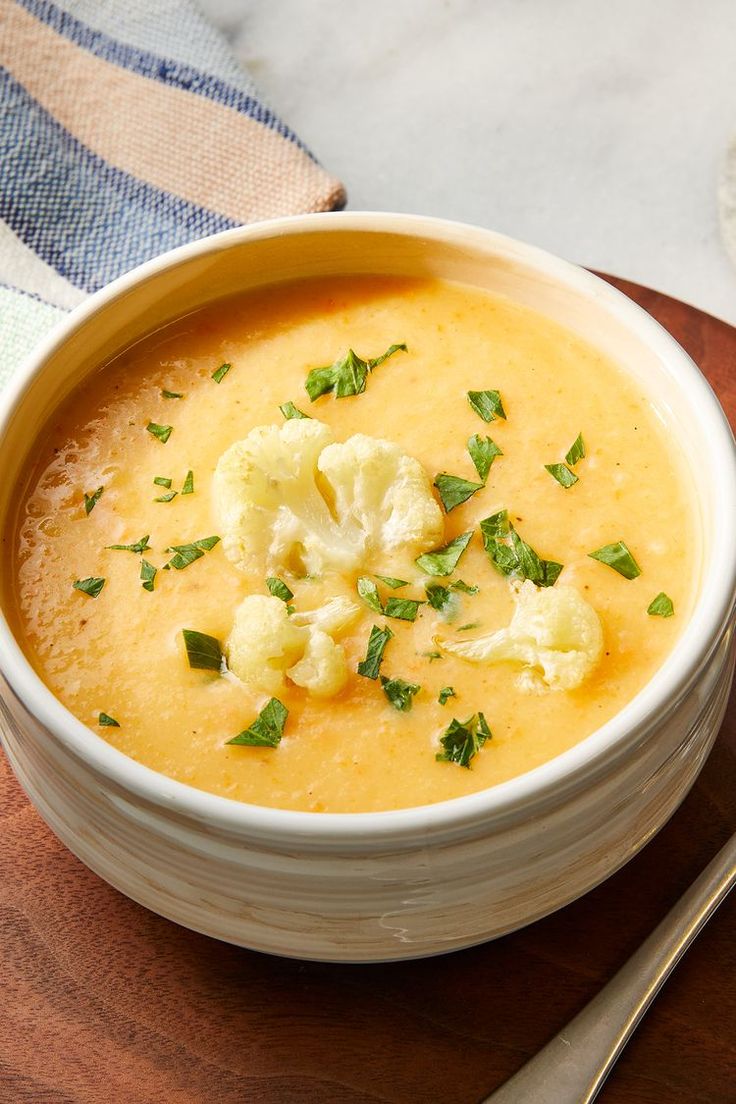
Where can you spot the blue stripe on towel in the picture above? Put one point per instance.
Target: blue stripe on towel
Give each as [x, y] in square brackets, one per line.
[165, 70]
[88, 220]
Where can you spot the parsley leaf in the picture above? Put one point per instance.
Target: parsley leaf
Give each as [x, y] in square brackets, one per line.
[279, 589]
[347, 376]
[464, 587]
[377, 641]
[404, 609]
[163, 432]
[368, 591]
[399, 692]
[576, 451]
[188, 486]
[290, 411]
[172, 394]
[90, 501]
[168, 497]
[106, 721]
[139, 546]
[445, 693]
[267, 729]
[219, 373]
[483, 451]
[432, 656]
[511, 555]
[463, 740]
[203, 652]
[443, 561]
[562, 474]
[148, 575]
[437, 595]
[661, 606]
[487, 404]
[186, 554]
[454, 490]
[395, 584]
[91, 586]
[618, 557]
[162, 481]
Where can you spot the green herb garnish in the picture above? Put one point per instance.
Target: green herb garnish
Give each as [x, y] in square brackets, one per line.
[395, 584]
[267, 729]
[139, 546]
[576, 451]
[172, 394]
[464, 587]
[290, 411]
[279, 589]
[148, 575]
[483, 451]
[162, 481]
[186, 554]
[562, 474]
[487, 404]
[661, 606]
[106, 721]
[346, 376]
[399, 692]
[404, 609]
[432, 656]
[454, 490]
[90, 501]
[618, 557]
[168, 497]
[163, 432]
[203, 652]
[463, 740]
[445, 693]
[219, 373]
[188, 486]
[468, 626]
[438, 596]
[443, 561]
[368, 591]
[511, 555]
[377, 641]
[91, 586]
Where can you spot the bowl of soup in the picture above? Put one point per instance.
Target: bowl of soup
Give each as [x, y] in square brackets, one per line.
[368, 583]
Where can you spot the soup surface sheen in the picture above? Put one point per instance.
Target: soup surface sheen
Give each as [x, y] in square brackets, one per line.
[122, 653]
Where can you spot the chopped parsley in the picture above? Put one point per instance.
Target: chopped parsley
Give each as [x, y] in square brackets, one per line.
[487, 404]
[139, 546]
[219, 373]
[279, 589]
[445, 693]
[290, 411]
[405, 609]
[267, 729]
[90, 501]
[368, 591]
[454, 490]
[377, 641]
[661, 606]
[511, 555]
[468, 626]
[162, 481]
[168, 497]
[483, 451]
[438, 596]
[395, 584]
[203, 652]
[463, 740]
[188, 486]
[618, 557]
[458, 584]
[399, 692]
[562, 474]
[148, 575]
[106, 721]
[92, 586]
[576, 451]
[346, 376]
[162, 432]
[432, 656]
[186, 554]
[443, 561]
[172, 394]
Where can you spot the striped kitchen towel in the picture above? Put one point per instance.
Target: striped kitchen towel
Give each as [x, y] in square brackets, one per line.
[126, 128]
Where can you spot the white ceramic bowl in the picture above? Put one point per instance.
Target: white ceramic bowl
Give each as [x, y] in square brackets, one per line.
[377, 886]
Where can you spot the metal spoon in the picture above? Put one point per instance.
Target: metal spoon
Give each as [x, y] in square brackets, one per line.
[572, 1067]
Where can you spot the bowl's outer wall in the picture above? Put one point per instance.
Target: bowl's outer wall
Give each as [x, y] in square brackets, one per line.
[403, 885]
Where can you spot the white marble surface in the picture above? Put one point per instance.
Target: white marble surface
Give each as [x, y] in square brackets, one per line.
[595, 129]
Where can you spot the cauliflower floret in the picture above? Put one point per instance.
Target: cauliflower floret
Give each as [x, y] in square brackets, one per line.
[554, 633]
[290, 499]
[267, 645]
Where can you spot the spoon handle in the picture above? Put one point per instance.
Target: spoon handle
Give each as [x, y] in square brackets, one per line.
[572, 1067]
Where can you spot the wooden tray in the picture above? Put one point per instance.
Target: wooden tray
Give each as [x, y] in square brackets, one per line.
[102, 1002]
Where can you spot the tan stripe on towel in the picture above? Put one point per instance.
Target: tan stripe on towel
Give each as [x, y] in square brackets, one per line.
[176, 140]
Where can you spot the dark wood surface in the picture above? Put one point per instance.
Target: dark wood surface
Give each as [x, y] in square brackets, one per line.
[103, 1002]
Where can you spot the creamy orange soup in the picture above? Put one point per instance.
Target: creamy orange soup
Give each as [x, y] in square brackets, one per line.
[122, 654]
